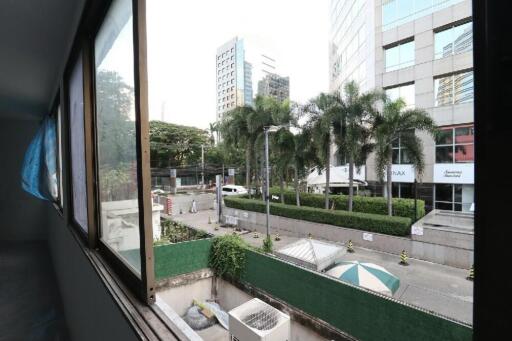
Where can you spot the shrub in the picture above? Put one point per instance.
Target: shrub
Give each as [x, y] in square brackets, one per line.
[398, 226]
[227, 255]
[375, 205]
[267, 245]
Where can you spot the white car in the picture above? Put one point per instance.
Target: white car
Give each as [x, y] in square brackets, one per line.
[233, 190]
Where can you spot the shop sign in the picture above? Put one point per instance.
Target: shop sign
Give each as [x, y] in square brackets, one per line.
[401, 173]
[454, 173]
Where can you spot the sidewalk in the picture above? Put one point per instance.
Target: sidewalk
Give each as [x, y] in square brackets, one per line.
[438, 288]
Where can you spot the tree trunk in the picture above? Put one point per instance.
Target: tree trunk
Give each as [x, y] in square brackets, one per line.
[350, 182]
[389, 183]
[327, 176]
[296, 184]
[281, 188]
[248, 170]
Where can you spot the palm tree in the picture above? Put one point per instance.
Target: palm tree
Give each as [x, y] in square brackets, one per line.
[353, 130]
[305, 157]
[396, 122]
[321, 112]
[236, 133]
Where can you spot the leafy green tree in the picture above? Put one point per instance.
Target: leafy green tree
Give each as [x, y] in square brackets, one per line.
[176, 145]
[397, 122]
[305, 157]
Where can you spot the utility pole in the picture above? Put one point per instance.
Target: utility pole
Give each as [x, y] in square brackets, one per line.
[267, 189]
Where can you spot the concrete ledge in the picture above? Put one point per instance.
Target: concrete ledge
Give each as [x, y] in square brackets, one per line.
[436, 253]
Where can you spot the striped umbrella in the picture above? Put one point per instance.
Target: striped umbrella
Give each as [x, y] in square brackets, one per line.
[366, 275]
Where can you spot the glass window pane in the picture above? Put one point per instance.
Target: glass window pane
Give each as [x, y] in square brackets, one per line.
[443, 90]
[407, 54]
[404, 158]
[457, 193]
[392, 58]
[117, 157]
[463, 38]
[421, 5]
[444, 206]
[76, 122]
[395, 190]
[443, 43]
[464, 135]
[389, 13]
[463, 87]
[408, 95]
[405, 8]
[393, 94]
[444, 154]
[444, 192]
[464, 153]
[396, 160]
[406, 190]
[445, 136]
[457, 207]
[59, 160]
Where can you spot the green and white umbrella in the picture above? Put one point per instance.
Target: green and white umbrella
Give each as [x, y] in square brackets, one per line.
[366, 275]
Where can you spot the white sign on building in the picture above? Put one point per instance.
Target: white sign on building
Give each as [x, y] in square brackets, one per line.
[401, 173]
[454, 173]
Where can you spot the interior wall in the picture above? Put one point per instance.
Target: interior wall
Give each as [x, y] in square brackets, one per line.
[22, 216]
[91, 313]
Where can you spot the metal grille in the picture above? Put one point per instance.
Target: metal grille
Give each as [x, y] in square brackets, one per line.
[264, 319]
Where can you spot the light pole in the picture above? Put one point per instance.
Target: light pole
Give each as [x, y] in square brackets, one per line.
[269, 129]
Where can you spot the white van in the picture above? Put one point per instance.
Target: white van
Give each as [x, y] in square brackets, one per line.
[233, 190]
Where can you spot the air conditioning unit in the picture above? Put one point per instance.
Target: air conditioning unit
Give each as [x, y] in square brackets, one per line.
[256, 321]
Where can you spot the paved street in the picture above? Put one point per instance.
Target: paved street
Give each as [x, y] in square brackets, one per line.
[431, 286]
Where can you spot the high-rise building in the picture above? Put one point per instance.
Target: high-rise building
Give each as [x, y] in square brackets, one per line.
[420, 51]
[273, 85]
[234, 77]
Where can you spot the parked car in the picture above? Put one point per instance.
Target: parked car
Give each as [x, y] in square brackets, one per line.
[233, 190]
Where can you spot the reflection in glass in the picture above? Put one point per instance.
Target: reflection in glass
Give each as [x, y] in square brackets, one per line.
[463, 87]
[445, 136]
[444, 192]
[77, 145]
[464, 135]
[117, 157]
[444, 154]
[464, 153]
[443, 91]
[400, 56]
[454, 40]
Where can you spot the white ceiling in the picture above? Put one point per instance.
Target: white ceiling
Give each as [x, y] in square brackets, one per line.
[35, 40]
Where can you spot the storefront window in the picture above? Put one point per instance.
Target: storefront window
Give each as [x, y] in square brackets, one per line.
[454, 197]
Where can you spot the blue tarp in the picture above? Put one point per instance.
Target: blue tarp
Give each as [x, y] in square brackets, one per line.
[39, 171]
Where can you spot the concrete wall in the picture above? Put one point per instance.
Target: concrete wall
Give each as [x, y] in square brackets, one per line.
[22, 216]
[179, 298]
[442, 254]
[204, 201]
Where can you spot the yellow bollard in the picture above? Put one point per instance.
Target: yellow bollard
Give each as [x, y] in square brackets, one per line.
[277, 238]
[404, 258]
[350, 247]
[471, 276]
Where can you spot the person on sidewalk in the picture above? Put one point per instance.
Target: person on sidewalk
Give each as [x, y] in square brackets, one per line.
[194, 206]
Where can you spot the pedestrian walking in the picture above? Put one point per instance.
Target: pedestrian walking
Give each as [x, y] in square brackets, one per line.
[194, 206]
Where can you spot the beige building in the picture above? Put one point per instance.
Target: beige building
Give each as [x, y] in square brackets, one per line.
[420, 51]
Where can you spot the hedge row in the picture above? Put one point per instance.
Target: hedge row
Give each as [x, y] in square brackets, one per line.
[375, 205]
[397, 226]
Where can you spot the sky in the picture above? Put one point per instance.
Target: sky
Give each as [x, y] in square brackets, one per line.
[183, 37]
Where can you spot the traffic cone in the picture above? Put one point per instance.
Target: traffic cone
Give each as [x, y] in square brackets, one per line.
[277, 238]
[403, 258]
[471, 273]
[255, 235]
[350, 247]
[216, 227]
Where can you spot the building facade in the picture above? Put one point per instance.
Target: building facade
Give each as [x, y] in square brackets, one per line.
[273, 85]
[234, 77]
[421, 51]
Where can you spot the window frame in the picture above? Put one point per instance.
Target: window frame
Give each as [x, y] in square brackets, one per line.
[454, 144]
[56, 112]
[451, 26]
[400, 64]
[143, 285]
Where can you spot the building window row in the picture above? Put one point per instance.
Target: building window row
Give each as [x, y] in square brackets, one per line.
[453, 197]
[405, 92]
[398, 12]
